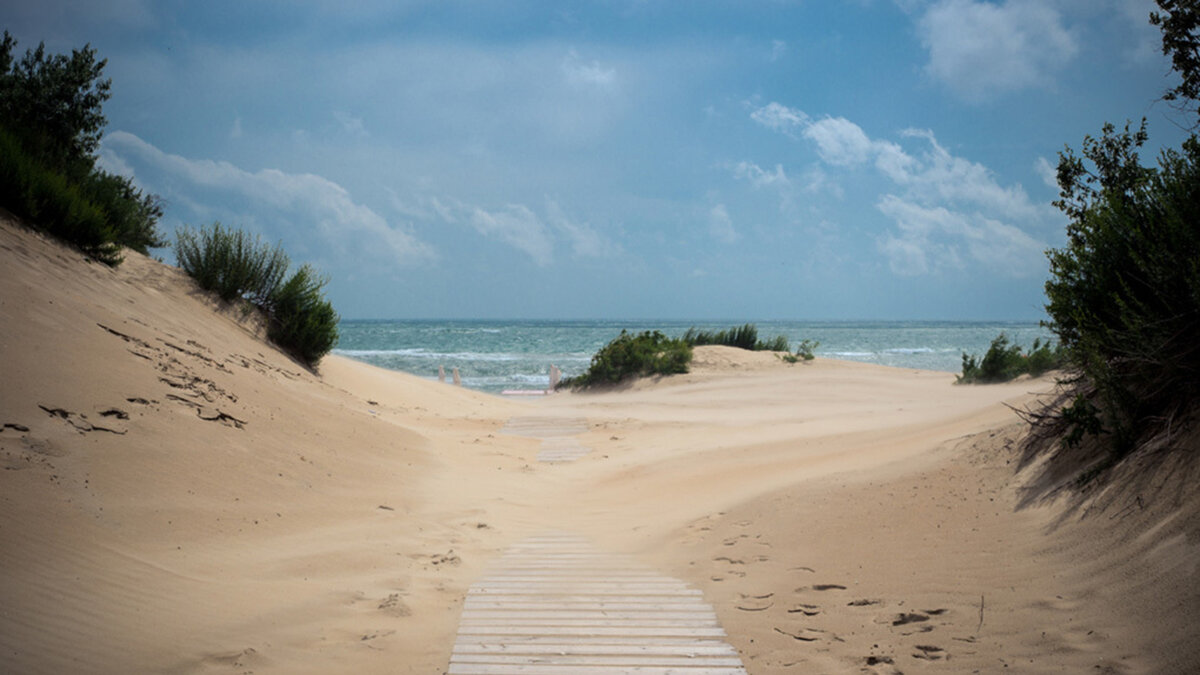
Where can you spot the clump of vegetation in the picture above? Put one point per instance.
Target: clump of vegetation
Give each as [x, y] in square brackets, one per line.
[742, 337]
[231, 263]
[236, 266]
[50, 128]
[302, 321]
[805, 351]
[627, 356]
[1124, 292]
[1004, 361]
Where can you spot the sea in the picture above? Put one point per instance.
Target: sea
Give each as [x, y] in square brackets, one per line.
[495, 356]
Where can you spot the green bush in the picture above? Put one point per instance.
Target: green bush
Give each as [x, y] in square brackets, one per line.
[236, 266]
[131, 215]
[1124, 293]
[302, 321]
[742, 337]
[50, 108]
[48, 200]
[231, 263]
[628, 356]
[1004, 362]
[804, 352]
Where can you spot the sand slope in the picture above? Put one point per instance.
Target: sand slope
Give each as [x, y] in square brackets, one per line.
[178, 496]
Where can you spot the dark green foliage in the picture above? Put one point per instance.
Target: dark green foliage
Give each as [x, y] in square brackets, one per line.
[1004, 362]
[779, 343]
[50, 127]
[1124, 293]
[804, 352]
[1180, 25]
[236, 266]
[806, 349]
[231, 263]
[54, 101]
[628, 356]
[131, 214]
[743, 337]
[38, 194]
[302, 321]
[1043, 358]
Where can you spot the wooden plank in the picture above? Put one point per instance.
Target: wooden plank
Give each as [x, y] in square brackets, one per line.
[532, 669]
[518, 642]
[680, 607]
[592, 630]
[692, 650]
[579, 615]
[556, 606]
[598, 660]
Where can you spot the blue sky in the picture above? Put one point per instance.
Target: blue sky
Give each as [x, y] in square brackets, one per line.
[812, 159]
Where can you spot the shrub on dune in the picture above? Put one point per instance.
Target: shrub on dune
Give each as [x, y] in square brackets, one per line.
[742, 337]
[237, 266]
[628, 356]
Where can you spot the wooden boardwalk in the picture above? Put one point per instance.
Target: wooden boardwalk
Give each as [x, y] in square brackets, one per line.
[554, 605]
[556, 434]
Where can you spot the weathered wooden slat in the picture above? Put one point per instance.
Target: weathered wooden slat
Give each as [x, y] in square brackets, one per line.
[530, 669]
[690, 650]
[591, 630]
[535, 625]
[678, 607]
[584, 614]
[554, 605]
[597, 660]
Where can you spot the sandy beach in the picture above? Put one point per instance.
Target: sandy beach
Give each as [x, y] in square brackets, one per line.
[178, 496]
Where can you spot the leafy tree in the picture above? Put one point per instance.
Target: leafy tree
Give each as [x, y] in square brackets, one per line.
[51, 123]
[1180, 25]
[54, 102]
[1124, 293]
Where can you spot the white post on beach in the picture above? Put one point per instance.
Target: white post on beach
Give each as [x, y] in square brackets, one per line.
[555, 376]
[457, 379]
[441, 374]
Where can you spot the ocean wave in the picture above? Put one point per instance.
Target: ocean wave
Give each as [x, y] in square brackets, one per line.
[542, 381]
[439, 356]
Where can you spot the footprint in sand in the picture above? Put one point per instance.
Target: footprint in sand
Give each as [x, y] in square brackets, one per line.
[394, 605]
[930, 653]
[755, 603]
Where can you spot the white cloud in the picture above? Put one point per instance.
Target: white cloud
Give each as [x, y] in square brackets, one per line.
[933, 174]
[778, 117]
[519, 227]
[760, 177]
[840, 142]
[1047, 171]
[778, 49]
[592, 74]
[982, 49]
[350, 124]
[950, 209]
[938, 176]
[585, 241]
[308, 202]
[720, 225]
[932, 238]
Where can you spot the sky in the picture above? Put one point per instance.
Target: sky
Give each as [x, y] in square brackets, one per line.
[625, 159]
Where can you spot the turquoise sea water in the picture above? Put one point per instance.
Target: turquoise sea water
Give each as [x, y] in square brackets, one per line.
[497, 355]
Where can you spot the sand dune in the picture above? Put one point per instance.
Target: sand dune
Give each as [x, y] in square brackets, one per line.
[178, 496]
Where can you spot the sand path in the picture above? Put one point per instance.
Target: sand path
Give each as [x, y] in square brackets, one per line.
[556, 433]
[177, 496]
